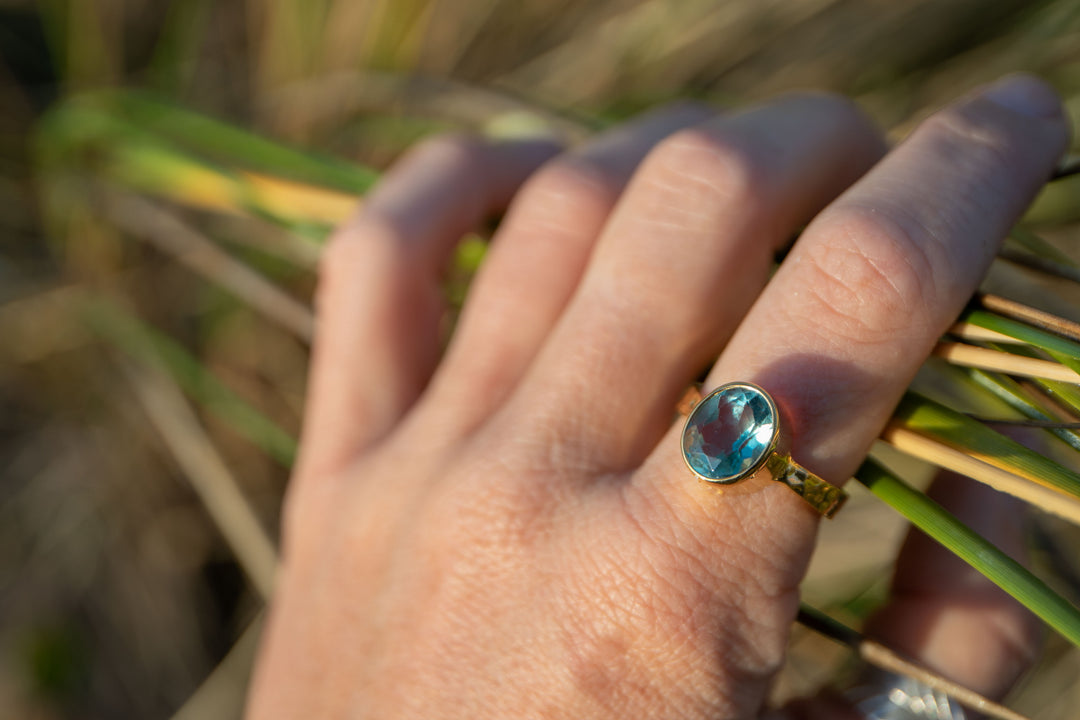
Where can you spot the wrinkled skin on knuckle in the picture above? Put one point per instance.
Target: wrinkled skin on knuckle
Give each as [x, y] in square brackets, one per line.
[565, 194]
[703, 168]
[458, 150]
[874, 276]
[369, 250]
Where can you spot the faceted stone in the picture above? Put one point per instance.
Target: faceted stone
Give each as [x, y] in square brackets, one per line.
[728, 433]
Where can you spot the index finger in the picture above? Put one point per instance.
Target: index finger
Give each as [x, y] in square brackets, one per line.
[878, 277]
[844, 325]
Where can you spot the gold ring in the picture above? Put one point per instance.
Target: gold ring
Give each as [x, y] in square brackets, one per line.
[737, 430]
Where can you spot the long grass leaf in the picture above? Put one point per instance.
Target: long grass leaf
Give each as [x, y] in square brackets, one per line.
[145, 163]
[1035, 244]
[148, 345]
[1065, 395]
[973, 549]
[233, 146]
[165, 230]
[946, 456]
[992, 359]
[925, 416]
[113, 122]
[1014, 395]
[207, 472]
[1024, 332]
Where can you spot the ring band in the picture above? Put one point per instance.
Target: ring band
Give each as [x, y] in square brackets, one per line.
[737, 430]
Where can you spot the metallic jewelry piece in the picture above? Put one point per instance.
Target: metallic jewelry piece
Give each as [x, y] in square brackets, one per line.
[881, 695]
[736, 431]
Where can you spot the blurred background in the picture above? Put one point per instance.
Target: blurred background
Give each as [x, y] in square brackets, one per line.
[168, 171]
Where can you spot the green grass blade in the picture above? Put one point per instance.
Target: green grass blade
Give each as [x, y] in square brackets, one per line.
[1035, 244]
[134, 337]
[973, 549]
[156, 169]
[1061, 349]
[1066, 394]
[230, 145]
[113, 120]
[1057, 204]
[144, 163]
[930, 418]
[1014, 395]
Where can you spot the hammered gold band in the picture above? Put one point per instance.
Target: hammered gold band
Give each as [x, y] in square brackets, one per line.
[823, 496]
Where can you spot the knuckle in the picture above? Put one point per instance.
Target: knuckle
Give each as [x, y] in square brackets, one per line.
[362, 256]
[975, 134]
[355, 245]
[567, 191]
[869, 275]
[456, 150]
[977, 145]
[709, 162]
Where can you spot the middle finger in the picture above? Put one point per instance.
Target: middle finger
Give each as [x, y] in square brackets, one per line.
[685, 253]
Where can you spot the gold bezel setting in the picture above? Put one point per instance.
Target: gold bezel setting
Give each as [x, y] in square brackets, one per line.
[773, 454]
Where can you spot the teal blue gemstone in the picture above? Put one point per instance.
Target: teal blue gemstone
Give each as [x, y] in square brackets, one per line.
[729, 432]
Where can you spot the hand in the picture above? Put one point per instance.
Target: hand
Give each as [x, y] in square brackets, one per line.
[509, 531]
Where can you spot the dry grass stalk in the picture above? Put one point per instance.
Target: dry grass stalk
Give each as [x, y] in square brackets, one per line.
[167, 232]
[218, 490]
[302, 201]
[37, 326]
[942, 455]
[1041, 264]
[222, 693]
[974, 333]
[1032, 316]
[997, 361]
[882, 657]
[1048, 404]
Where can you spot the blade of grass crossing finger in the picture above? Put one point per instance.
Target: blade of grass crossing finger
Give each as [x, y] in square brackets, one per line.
[973, 549]
[134, 337]
[923, 415]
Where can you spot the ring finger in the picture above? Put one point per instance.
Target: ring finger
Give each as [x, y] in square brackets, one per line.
[846, 322]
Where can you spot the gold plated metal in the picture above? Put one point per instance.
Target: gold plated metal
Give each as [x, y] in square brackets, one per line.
[823, 496]
[735, 432]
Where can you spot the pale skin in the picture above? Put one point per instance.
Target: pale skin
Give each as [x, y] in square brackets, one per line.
[507, 529]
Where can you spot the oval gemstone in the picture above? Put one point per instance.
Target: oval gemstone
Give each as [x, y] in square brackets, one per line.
[729, 432]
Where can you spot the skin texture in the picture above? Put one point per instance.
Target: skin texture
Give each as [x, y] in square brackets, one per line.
[509, 531]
